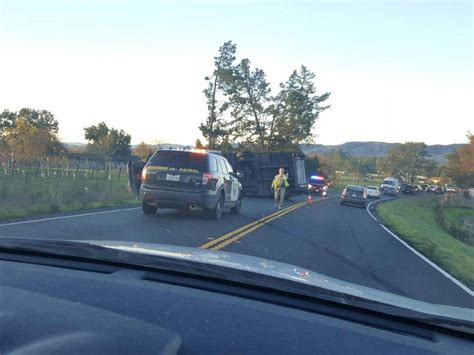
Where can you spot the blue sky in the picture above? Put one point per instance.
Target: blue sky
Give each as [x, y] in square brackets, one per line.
[139, 65]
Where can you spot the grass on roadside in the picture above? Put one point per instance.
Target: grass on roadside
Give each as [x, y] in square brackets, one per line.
[414, 220]
[22, 196]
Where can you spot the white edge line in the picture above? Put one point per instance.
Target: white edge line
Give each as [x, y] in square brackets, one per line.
[442, 271]
[66, 217]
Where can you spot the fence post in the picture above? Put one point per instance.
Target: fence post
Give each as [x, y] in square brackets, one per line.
[106, 170]
[75, 177]
[37, 169]
[26, 182]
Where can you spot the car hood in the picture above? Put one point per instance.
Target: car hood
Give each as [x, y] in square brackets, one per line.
[345, 292]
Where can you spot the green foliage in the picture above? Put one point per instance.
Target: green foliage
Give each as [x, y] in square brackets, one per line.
[295, 109]
[29, 135]
[7, 120]
[456, 215]
[405, 160]
[143, 150]
[215, 127]
[311, 164]
[108, 143]
[460, 166]
[415, 220]
[198, 144]
[259, 120]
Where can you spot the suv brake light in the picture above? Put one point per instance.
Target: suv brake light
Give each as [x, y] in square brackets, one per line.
[206, 178]
[344, 192]
[365, 193]
[144, 174]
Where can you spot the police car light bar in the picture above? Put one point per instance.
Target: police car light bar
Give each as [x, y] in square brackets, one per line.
[317, 177]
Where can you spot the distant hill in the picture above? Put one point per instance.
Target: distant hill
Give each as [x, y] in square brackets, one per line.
[438, 152]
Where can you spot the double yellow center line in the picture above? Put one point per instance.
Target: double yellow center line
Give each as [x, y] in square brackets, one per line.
[231, 237]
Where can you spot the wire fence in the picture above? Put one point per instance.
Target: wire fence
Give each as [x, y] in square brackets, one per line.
[61, 184]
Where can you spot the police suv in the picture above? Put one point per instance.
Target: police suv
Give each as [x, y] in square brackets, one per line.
[190, 179]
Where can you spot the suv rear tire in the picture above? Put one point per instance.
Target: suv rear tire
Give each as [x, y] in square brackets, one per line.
[216, 212]
[147, 209]
[238, 206]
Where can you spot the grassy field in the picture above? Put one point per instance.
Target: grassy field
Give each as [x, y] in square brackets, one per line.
[24, 194]
[340, 182]
[416, 221]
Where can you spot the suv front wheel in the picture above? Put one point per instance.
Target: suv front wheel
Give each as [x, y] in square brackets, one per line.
[238, 206]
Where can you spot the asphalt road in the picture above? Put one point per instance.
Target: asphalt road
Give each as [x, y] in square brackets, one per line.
[343, 242]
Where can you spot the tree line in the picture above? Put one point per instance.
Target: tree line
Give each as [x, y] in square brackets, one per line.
[31, 135]
[407, 161]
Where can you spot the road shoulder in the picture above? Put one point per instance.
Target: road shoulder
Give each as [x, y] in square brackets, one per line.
[408, 232]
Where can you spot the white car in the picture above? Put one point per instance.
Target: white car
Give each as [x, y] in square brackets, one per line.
[373, 192]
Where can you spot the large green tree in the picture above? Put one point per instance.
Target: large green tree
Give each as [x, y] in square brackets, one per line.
[250, 101]
[108, 143]
[29, 134]
[460, 166]
[215, 129]
[405, 160]
[257, 118]
[29, 143]
[295, 110]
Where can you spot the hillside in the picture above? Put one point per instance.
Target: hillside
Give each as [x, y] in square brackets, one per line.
[438, 152]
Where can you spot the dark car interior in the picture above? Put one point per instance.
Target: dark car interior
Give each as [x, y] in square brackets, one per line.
[66, 305]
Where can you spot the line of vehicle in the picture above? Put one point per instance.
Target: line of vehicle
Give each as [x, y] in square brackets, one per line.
[416, 252]
[248, 231]
[262, 220]
[67, 217]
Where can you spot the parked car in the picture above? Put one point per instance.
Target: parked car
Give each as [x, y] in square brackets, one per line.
[373, 192]
[452, 189]
[408, 189]
[196, 180]
[424, 187]
[439, 190]
[356, 195]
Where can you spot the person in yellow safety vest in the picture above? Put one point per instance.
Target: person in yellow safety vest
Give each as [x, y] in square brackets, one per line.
[279, 185]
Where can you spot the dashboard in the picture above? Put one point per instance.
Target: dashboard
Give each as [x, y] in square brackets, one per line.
[55, 305]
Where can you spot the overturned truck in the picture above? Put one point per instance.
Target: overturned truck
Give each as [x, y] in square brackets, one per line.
[257, 171]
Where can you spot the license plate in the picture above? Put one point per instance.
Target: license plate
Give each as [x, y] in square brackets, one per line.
[171, 177]
[354, 195]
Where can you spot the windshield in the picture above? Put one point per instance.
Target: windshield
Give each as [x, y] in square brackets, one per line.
[174, 160]
[253, 128]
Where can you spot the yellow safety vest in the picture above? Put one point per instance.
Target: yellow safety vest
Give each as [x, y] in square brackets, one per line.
[275, 182]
